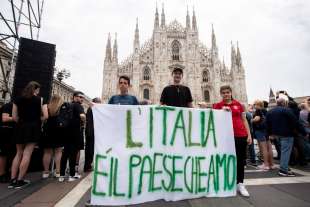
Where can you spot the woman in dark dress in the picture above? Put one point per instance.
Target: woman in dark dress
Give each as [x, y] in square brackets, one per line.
[54, 136]
[28, 112]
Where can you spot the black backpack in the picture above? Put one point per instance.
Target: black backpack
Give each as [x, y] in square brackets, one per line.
[65, 115]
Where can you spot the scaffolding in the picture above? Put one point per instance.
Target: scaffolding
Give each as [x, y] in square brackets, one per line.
[17, 18]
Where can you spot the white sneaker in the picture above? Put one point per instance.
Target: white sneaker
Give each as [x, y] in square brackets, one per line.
[77, 176]
[61, 179]
[45, 175]
[72, 178]
[56, 175]
[242, 190]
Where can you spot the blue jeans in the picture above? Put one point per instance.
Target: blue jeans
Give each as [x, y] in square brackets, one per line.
[286, 149]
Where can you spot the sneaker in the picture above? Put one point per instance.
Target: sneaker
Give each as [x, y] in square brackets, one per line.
[61, 179]
[286, 174]
[21, 184]
[56, 175]
[12, 183]
[254, 164]
[77, 176]
[263, 167]
[45, 175]
[242, 190]
[273, 167]
[72, 178]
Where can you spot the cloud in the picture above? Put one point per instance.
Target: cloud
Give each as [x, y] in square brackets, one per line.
[273, 37]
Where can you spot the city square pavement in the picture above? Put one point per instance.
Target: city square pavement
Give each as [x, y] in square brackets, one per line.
[266, 189]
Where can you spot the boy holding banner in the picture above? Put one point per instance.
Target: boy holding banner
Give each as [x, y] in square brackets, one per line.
[177, 94]
[124, 98]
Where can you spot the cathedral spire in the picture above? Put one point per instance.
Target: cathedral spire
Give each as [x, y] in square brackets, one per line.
[188, 21]
[136, 43]
[194, 22]
[156, 22]
[115, 52]
[163, 19]
[214, 46]
[271, 94]
[272, 98]
[238, 57]
[108, 55]
[233, 56]
[224, 66]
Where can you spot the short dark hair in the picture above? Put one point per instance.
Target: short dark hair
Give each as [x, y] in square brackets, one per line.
[78, 93]
[177, 69]
[96, 100]
[125, 78]
[225, 87]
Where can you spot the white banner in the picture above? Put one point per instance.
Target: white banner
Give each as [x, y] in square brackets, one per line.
[146, 153]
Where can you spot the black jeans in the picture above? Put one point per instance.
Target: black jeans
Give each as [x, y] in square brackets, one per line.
[241, 146]
[70, 152]
[89, 152]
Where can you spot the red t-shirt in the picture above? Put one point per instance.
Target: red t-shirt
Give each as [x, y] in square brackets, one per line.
[236, 111]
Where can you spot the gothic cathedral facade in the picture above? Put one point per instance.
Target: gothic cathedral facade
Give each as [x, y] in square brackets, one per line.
[150, 65]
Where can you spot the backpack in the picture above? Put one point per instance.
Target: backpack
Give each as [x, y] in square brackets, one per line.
[65, 115]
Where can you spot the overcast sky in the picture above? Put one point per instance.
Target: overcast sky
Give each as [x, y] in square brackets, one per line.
[274, 37]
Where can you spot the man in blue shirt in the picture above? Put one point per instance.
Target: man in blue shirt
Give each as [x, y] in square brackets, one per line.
[282, 124]
[123, 98]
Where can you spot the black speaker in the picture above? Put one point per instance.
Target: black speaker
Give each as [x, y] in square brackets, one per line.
[35, 62]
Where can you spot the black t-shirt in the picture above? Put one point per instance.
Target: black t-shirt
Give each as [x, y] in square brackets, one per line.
[176, 95]
[7, 109]
[29, 109]
[75, 123]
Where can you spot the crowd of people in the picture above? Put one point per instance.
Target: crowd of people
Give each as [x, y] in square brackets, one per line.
[57, 128]
[60, 129]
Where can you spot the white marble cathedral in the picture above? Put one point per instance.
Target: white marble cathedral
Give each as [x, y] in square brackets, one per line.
[150, 65]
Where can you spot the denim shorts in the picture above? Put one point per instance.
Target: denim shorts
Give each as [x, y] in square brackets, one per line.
[260, 136]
